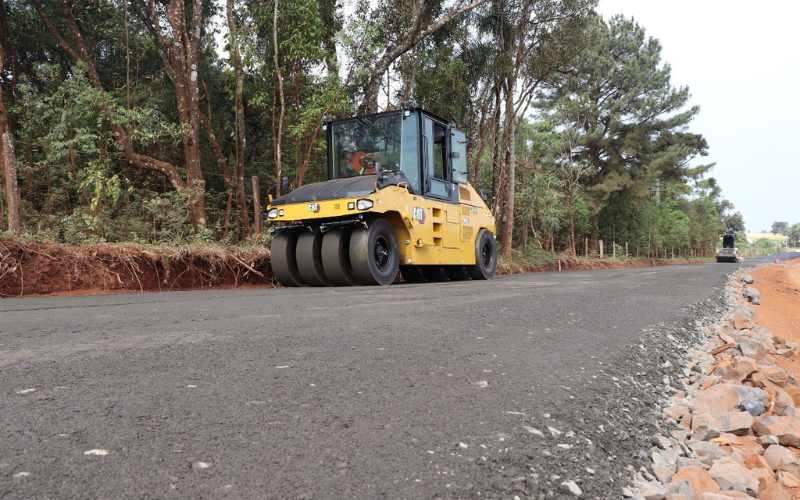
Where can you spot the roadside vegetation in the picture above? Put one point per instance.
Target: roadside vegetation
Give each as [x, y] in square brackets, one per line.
[158, 122]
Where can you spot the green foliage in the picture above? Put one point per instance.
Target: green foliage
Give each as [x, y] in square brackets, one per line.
[779, 228]
[610, 146]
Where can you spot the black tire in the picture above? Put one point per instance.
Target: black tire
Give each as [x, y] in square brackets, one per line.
[283, 260]
[413, 274]
[309, 259]
[435, 274]
[374, 254]
[457, 273]
[336, 258]
[485, 256]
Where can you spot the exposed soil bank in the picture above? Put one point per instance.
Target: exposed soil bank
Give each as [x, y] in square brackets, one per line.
[36, 269]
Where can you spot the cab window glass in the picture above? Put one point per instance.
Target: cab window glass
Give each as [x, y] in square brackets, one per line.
[409, 157]
[459, 147]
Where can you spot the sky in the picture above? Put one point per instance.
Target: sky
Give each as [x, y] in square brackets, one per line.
[741, 62]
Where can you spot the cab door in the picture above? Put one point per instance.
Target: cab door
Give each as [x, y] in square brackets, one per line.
[440, 191]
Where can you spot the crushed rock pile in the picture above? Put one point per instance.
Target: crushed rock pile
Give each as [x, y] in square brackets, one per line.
[736, 427]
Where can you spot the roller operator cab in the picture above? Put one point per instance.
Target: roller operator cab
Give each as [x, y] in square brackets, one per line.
[397, 198]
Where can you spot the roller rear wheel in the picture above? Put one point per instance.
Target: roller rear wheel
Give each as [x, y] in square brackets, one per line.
[374, 255]
[485, 257]
[309, 259]
[336, 258]
[283, 260]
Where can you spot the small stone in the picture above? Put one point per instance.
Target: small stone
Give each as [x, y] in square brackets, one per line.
[747, 279]
[21, 475]
[735, 422]
[201, 465]
[730, 475]
[788, 480]
[661, 441]
[787, 429]
[774, 492]
[653, 491]
[663, 472]
[571, 487]
[481, 383]
[707, 452]
[704, 427]
[680, 488]
[698, 479]
[684, 462]
[742, 322]
[765, 477]
[752, 348]
[767, 441]
[757, 462]
[776, 454]
[752, 295]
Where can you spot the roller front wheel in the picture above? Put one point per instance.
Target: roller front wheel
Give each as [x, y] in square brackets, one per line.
[284, 261]
[309, 259]
[336, 258]
[374, 254]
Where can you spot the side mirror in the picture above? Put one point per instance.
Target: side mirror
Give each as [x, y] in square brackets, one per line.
[285, 186]
[483, 196]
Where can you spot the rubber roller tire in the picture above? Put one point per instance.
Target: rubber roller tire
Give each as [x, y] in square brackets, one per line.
[485, 256]
[309, 259]
[374, 254]
[336, 258]
[283, 260]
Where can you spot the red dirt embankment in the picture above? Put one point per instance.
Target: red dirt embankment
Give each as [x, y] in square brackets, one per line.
[32, 269]
[35, 269]
[779, 311]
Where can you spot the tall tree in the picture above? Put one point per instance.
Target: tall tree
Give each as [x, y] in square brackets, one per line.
[622, 93]
[542, 38]
[240, 131]
[8, 163]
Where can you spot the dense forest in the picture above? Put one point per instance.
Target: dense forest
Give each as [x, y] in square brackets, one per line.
[146, 120]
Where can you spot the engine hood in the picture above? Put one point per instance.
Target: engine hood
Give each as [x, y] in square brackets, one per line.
[350, 187]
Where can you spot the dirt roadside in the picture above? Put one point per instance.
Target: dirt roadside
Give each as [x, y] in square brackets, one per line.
[32, 269]
[779, 311]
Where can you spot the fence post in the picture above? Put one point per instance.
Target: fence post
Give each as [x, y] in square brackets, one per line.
[586, 247]
[257, 206]
[601, 249]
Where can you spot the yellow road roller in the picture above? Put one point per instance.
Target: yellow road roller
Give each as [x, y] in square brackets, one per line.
[396, 198]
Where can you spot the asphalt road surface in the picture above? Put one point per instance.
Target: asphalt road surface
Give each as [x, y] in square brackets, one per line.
[525, 385]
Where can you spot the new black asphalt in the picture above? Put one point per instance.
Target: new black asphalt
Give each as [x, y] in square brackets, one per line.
[516, 386]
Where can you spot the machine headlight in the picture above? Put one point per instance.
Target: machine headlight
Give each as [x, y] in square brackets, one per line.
[273, 213]
[364, 204]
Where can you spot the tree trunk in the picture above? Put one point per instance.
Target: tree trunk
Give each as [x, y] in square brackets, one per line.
[8, 163]
[281, 99]
[509, 139]
[10, 183]
[239, 129]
